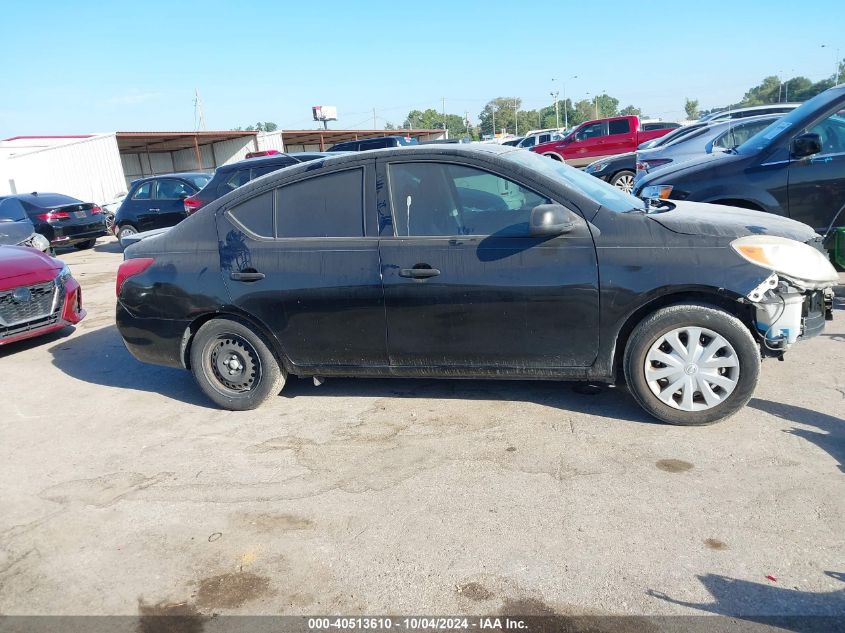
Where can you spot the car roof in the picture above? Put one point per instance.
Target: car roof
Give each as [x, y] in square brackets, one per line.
[47, 197]
[469, 150]
[273, 158]
[181, 174]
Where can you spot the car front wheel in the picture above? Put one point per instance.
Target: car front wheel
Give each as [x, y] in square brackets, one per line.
[234, 365]
[691, 364]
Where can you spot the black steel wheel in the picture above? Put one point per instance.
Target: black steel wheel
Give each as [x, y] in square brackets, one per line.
[234, 365]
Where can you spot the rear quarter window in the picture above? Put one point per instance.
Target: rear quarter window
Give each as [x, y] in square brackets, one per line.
[620, 126]
[324, 206]
[256, 214]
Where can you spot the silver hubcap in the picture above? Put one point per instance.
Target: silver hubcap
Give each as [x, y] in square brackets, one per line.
[692, 369]
[625, 183]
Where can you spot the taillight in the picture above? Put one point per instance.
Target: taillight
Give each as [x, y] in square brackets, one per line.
[653, 163]
[192, 204]
[95, 210]
[52, 216]
[130, 268]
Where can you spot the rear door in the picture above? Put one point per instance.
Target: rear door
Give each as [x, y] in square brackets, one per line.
[619, 137]
[297, 259]
[467, 288]
[817, 183]
[170, 194]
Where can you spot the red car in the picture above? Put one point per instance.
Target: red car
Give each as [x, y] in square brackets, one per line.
[37, 294]
[597, 138]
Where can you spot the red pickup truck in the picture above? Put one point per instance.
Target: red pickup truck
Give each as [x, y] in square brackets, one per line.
[597, 138]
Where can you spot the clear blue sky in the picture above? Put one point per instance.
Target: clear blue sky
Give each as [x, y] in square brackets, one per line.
[76, 67]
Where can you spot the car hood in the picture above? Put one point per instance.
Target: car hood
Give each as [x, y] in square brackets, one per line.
[12, 233]
[22, 261]
[716, 220]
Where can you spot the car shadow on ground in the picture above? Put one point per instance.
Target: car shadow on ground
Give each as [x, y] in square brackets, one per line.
[830, 436]
[769, 603]
[99, 357]
[582, 398]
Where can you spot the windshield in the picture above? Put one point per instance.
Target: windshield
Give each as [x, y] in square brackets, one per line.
[764, 137]
[605, 194]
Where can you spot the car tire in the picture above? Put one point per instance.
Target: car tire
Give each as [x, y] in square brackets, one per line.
[707, 390]
[126, 230]
[553, 157]
[85, 245]
[623, 180]
[254, 375]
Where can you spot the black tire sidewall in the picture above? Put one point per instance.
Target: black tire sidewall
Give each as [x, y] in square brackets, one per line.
[672, 317]
[272, 377]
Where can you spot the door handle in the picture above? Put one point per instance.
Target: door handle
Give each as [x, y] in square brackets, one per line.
[246, 276]
[418, 273]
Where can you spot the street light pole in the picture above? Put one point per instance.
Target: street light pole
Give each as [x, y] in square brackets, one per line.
[557, 112]
[565, 108]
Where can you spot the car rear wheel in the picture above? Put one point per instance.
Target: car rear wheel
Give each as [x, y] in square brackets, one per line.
[85, 245]
[234, 366]
[691, 364]
[624, 180]
[553, 157]
[126, 230]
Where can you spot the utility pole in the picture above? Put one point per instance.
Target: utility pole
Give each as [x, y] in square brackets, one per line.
[515, 119]
[494, 122]
[443, 113]
[199, 116]
[557, 112]
[374, 118]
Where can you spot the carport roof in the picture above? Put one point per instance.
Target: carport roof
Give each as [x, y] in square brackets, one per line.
[327, 138]
[173, 141]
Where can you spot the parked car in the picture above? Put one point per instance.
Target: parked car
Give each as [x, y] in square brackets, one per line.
[373, 143]
[513, 142]
[795, 168]
[230, 177]
[543, 136]
[110, 209]
[718, 136]
[594, 139]
[62, 220]
[38, 294]
[156, 201]
[621, 170]
[648, 126]
[740, 113]
[471, 261]
[16, 229]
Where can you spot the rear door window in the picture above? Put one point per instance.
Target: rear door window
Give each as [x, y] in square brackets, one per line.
[172, 189]
[619, 126]
[324, 206]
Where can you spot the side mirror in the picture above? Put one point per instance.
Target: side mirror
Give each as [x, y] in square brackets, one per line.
[806, 145]
[548, 220]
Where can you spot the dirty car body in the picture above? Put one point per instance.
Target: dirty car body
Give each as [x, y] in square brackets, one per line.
[453, 261]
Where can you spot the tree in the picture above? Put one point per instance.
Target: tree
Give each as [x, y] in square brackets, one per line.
[266, 126]
[431, 119]
[691, 108]
[503, 110]
[630, 110]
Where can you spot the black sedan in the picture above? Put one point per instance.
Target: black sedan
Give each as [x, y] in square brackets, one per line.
[471, 261]
[156, 202]
[63, 220]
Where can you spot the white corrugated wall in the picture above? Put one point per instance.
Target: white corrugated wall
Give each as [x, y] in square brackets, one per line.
[89, 169]
[271, 140]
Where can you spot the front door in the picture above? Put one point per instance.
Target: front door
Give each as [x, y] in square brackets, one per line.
[296, 258]
[587, 145]
[465, 286]
[142, 211]
[817, 183]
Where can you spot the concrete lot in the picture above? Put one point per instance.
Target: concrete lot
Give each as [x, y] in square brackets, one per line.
[123, 491]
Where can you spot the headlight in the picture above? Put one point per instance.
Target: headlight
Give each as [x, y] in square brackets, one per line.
[40, 242]
[657, 192]
[596, 167]
[64, 274]
[787, 257]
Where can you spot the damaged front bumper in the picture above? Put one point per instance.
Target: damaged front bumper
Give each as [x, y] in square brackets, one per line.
[787, 311]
